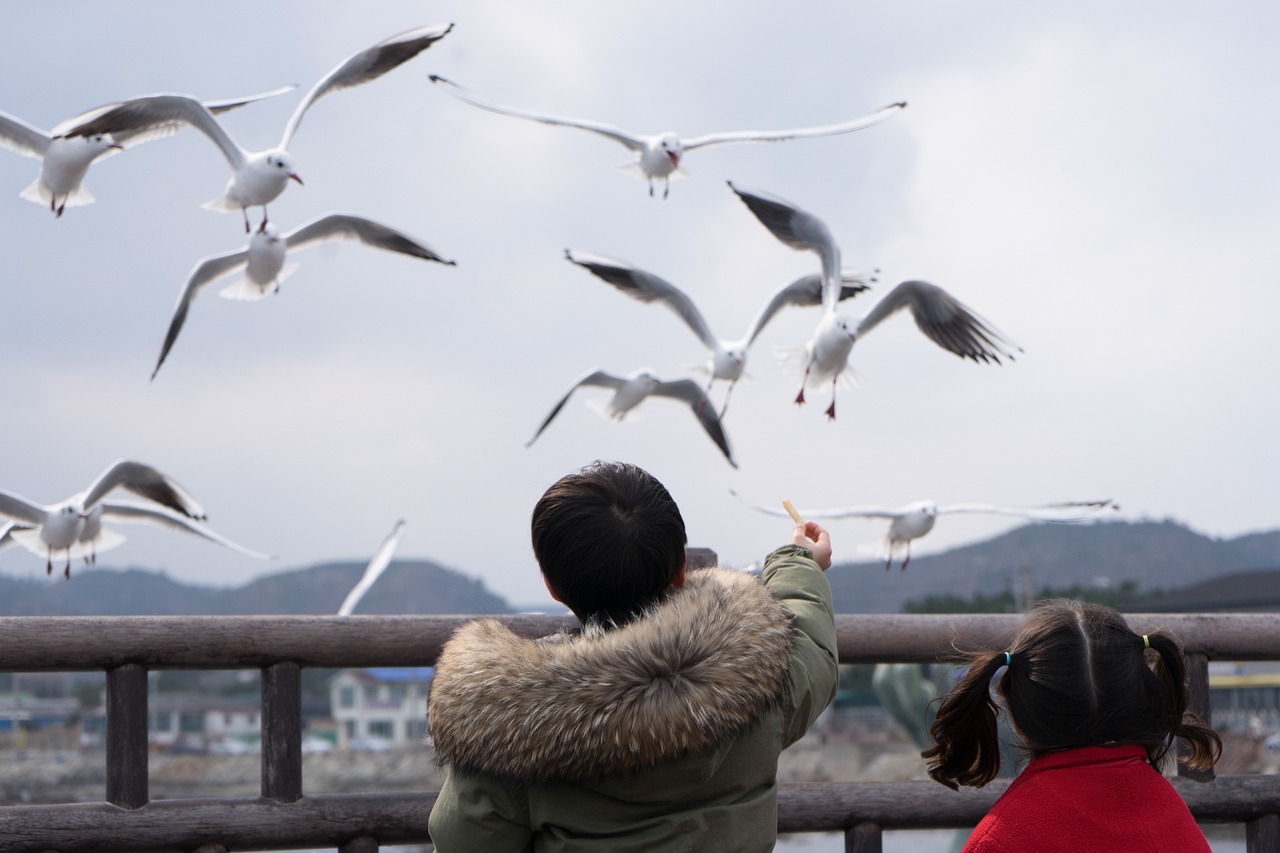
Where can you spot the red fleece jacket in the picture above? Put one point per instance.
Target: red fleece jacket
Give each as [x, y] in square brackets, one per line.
[1103, 799]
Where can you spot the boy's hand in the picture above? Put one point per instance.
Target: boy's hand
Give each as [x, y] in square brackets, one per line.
[811, 535]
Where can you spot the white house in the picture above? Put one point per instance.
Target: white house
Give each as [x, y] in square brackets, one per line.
[380, 707]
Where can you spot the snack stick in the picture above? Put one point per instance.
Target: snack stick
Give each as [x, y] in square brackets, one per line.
[791, 511]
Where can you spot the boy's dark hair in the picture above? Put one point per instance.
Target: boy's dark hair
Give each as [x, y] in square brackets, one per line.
[609, 540]
[1077, 675]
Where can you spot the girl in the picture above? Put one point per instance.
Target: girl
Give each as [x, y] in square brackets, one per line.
[1098, 707]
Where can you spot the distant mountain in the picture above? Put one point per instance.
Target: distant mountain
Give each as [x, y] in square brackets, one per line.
[407, 586]
[1157, 555]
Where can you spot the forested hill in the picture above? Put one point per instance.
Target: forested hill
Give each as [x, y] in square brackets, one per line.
[1154, 555]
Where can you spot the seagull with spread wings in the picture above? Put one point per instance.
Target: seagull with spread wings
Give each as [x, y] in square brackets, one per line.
[661, 155]
[262, 261]
[75, 524]
[940, 316]
[917, 519]
[631, 390]
[257, 177]
[64, 160]
[728, 357]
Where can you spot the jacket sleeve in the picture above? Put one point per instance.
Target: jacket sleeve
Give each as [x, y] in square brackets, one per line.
[474, 812]
[791, 574]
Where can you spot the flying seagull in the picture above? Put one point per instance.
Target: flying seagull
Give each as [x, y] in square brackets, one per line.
[728, 357]
[940, 316]
[262, 261]
[64, 160]
[377, 565]
[257, 177]
[76, 523]
[661, 155]
[631, 390]
[917, 519]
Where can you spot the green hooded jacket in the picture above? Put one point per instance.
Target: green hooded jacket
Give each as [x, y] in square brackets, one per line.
[660, 735]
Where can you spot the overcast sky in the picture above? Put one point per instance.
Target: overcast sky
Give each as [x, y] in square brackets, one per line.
[1098, 180]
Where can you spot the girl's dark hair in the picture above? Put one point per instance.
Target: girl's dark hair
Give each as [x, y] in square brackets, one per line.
[609, 540]
[1077, 676]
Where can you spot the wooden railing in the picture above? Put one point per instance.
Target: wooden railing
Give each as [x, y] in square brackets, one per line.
[126, 648]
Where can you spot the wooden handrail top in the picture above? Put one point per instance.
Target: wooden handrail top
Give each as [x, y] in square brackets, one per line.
[80, 643]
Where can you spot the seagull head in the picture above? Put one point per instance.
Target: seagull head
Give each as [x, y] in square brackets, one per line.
[282, 163]
[267, 233]
[670, 145]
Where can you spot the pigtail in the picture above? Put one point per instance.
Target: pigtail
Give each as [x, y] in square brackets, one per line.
[966, 748]
[1202, 742]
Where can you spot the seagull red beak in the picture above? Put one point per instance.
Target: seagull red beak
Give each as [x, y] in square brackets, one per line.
[674, 158]
[294, 175]
[117, 146]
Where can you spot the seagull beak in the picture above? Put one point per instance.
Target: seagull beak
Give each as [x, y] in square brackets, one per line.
[117, 146]
[294, 175]
[674, 158]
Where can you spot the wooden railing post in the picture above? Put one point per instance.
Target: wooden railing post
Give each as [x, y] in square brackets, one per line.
[1263, 835]
[1198, 704]
[127, 736]
[865, 837]
[282, 732]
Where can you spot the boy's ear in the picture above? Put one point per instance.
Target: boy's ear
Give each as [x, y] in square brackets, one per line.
[554, 597]
[677, 580]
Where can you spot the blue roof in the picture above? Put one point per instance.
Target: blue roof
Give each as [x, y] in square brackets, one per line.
[400, 673]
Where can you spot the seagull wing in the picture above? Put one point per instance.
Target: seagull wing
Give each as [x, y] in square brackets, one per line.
[630, 140]
[334, 226]
[1061, 512]
[597, 378]
[130, 138]
[795, 133]
[206, 270]
[646, 287]
[149, 116]
[943, 319]
[805, 291]
[145, 481]
[163, 517]
[691, 392]
[369, 64]
[22, 138]
[21, 509]
[377, 565]
[6, 533]
[801, 231]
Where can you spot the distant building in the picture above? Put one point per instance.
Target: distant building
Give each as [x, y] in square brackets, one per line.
[1254, 591]
[1244, 696]
[380, 706]
[187, 721]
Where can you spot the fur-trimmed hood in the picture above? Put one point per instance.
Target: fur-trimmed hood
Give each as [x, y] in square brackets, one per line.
[697, 670]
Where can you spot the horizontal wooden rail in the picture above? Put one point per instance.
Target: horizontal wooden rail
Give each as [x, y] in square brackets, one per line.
[79, 643]
[332, 820]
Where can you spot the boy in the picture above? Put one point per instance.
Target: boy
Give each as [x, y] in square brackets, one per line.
[658, 725]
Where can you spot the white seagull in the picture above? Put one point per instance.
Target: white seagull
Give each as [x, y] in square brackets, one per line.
[916, 519]
[377, 565]
[941, 317]
[631, 390]
[257, 177]
[661, 155]
[728, 357]
[75, 524]
[262, 260]
[64, 160]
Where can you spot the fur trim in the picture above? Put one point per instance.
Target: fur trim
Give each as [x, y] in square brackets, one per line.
[700, 668]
